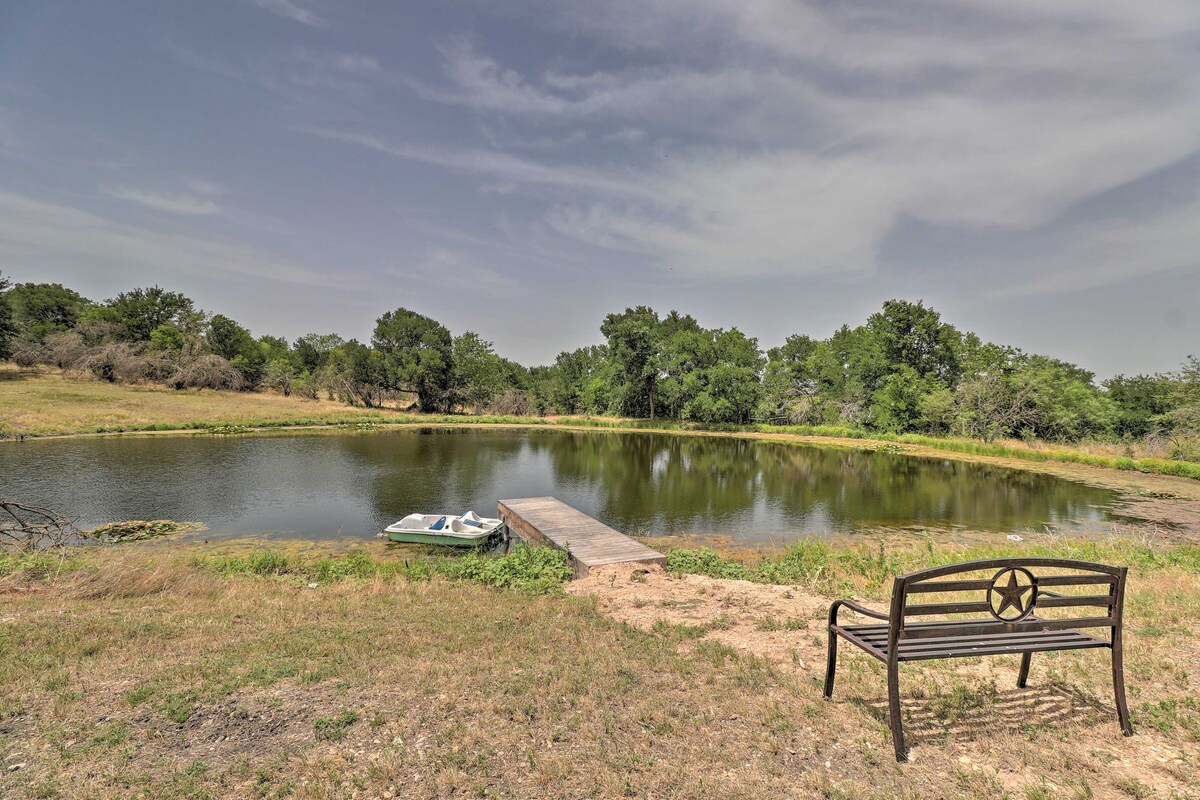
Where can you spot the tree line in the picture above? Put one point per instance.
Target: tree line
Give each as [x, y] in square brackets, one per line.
[903, 370]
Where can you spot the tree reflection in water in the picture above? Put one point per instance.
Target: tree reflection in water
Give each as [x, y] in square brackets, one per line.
[349, 485]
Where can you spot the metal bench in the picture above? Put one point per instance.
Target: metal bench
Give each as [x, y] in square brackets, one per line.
[1012, 595]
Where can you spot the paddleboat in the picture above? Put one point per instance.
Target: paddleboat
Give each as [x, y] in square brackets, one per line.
[468, 530]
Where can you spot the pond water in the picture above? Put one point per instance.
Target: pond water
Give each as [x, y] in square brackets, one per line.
[351, 485]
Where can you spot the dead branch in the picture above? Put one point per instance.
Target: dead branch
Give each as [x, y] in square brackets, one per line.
[26, 528]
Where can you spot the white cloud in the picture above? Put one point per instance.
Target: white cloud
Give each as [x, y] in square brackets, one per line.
[1110, 251]
[626, 135]
[455, 270]
[820, 126]
[49, 237]
[171, 203]
[495, 164]
[292, 11]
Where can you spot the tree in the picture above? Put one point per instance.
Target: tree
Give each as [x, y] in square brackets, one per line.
[914, 336]
[1141, 401]
[140, 311]
[40, 309]
[789, 383]
[280, 374]
[709, 375]
[227, 338]
[166, 339]
[360, 373]
[633, 346]
[896, 404]
[417, 356]
[478, 373]
[1066, 404]
[992, 405]
[314, 349]
[8, 326]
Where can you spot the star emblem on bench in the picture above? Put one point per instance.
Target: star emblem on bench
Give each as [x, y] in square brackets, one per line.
[1010, 594]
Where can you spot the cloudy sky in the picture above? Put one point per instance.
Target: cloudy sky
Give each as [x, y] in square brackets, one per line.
[1030, 168]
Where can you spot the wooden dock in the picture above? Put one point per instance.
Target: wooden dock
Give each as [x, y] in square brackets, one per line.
[589, 543]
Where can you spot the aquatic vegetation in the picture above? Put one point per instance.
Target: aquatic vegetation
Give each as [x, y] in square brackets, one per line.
[137, 530]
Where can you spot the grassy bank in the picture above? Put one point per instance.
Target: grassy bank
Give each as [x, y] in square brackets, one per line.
[151, 671]
[54, 404]
[867, 569]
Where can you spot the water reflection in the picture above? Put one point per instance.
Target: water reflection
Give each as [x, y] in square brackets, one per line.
[351, 485]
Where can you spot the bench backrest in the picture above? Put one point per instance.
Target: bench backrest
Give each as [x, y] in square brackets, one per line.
[1003, 595]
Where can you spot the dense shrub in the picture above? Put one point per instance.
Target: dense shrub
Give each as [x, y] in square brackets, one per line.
[206, 372]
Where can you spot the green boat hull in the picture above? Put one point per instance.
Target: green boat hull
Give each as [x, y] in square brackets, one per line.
[442, 540]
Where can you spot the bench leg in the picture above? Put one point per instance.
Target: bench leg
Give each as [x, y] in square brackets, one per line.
[894, 720]
[1118, 670]
[831, 664]
[1024, 674]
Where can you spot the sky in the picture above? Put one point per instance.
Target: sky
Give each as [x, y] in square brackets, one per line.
[521, 169]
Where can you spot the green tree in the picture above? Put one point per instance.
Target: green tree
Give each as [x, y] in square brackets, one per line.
[314, 349]
[789, 384]
[896, 404]
[8, 326]
[276, 348]
[227, 338]
[166, 339]
[280, 374]
[140, 311]
[359, 373]
[633, 347]
[1141, 402]
[417, 356]
[478, 373]
[1066, 404]
[40, 309]
[914, 336]
[569, 377]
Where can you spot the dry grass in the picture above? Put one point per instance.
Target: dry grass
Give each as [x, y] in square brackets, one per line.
[135, 672]
[54, 403]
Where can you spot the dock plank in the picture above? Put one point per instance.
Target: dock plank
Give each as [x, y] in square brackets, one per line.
[588, 542]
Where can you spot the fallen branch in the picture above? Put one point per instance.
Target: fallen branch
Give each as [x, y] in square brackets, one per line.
[25, 528]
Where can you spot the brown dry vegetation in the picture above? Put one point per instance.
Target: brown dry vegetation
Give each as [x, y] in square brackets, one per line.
[57, 403]
[138, 672]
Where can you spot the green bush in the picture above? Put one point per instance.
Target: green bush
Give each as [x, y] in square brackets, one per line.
[535, 570]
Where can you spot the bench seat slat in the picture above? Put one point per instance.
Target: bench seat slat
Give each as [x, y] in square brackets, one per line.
[1000, 649]
[968, 646]
[880, 640]
[944, 628]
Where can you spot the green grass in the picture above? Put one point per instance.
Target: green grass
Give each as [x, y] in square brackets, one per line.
[1157, 466]
[533, 570]
[820, 565]
[334, 729]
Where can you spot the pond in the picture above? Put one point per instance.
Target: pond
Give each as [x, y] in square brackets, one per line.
[351, 485]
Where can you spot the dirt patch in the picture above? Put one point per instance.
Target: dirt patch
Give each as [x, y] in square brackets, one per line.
[774, 622]
[961, 727]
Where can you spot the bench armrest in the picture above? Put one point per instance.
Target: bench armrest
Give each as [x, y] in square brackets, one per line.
[853, 606]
